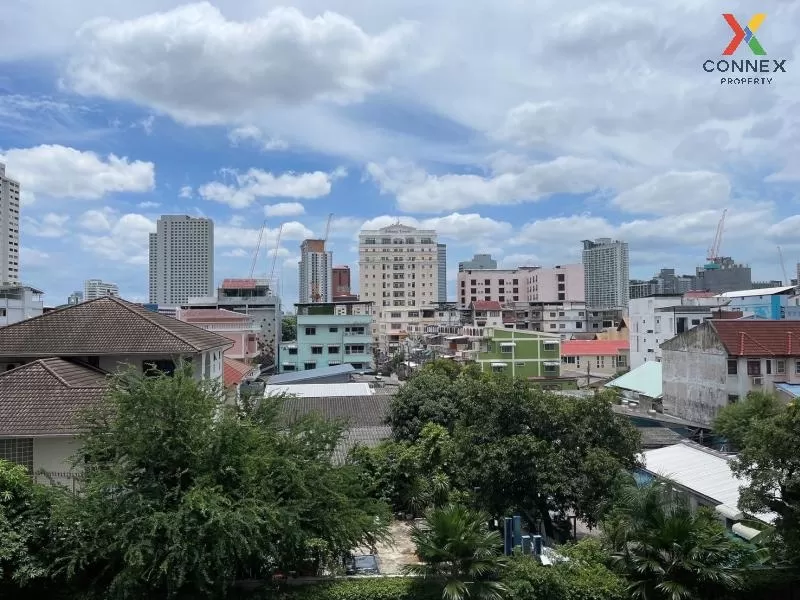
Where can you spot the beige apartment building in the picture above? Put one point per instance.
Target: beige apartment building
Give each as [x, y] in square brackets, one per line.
[562, 283]
[399, 272]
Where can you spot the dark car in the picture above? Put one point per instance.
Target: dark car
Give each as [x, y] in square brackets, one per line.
[363, 564]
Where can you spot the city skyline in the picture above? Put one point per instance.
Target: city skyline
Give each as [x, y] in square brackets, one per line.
[102, 144]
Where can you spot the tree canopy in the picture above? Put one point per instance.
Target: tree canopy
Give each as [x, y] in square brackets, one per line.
[184, 494]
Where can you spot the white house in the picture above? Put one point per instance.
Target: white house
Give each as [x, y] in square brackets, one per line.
[53, 365]
[19, 302]
[655, 319]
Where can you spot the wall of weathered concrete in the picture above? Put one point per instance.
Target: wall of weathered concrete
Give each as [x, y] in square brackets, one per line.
[695, 375]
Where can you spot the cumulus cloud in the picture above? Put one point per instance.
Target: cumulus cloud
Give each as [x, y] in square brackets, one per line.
[94, 220]
[50, 225]
[463, 228]
[284, 209]
[163, 60]
[253, 135]
[255, 183]
[126, 242]
[62, 172]
[676, 193]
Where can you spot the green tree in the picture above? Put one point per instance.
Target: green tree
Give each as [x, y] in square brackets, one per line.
[669, 552]
[430, 396]
[288, 328]
[768, 435]
[184, 494]
[458, 550]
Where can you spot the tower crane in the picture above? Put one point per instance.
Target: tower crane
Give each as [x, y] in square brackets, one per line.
[258, 249]
[275, 255]
[713, 252]
[783, 267]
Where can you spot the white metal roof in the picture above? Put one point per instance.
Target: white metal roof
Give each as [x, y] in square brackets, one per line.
[320, 390]
[700, 470]
[758, 292]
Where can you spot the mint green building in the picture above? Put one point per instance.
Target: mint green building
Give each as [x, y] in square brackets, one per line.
[526, 354]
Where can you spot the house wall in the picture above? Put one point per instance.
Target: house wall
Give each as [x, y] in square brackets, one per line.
[526, 358]
[54, 456]
[770, 371]
[695, 376]
[605, 364]
[772, 306]
[328, 340]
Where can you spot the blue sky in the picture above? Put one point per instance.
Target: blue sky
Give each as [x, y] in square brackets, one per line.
[507, 131]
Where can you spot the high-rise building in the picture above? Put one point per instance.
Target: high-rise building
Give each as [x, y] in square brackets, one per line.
[606, 271]
[723, 274]
[399, 272]
[479, 262]
[315, 271]
[96, 288]
[9, 228]
[441, 251]
[75, 297]
[181, 259]
[341, 285]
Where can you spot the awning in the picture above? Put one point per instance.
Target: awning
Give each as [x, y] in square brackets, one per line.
[507, 344]
[552, 363]
[744, 532]
[730, 512]
[499, 364]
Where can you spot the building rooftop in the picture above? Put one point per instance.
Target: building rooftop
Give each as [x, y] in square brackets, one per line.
[792, 389]
[212, 315]
[486, 305]
[102, 327]
[356, 411]
[44, 397]
[700, 470]
[320, 390]
[644, 379]
[742, 337]
[301, 376]
[593, 347]
[241, 284]
[233, 371]
[785, 289]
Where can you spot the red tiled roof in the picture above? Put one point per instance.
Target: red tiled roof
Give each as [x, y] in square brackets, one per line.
[593, 347]
[234, 371]
[212, 315]
[486, 305]
[238, 284]
[758, 338]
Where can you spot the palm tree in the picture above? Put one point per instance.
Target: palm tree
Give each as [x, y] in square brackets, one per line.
[669, 552]
[458, 550]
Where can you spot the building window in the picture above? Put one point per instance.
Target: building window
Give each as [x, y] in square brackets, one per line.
[18, 451]
[292, 351]
[622, 361]
[316, 349]
[733, 398]
[733, 366]
[754, 368]
[768, 365]
[311, 331]
[287, 368]
[333, 349]
[308, 366]
[333, 329]
[797, 367]
[154, 368]
[780, 367]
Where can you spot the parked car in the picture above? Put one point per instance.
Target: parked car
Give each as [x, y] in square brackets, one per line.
[363, 564]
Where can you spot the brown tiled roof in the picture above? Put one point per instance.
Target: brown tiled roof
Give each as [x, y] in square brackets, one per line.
[102, 327]
[357, 411]
[758, 338]
[486, 305]
[234, 371]
[45, 396]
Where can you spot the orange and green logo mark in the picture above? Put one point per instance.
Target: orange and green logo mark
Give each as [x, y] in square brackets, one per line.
[745, 34]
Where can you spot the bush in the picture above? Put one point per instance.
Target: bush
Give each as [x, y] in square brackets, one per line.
[577, 580]
[383, 588]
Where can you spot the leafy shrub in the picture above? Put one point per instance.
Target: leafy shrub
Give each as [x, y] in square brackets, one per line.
[383, 588]
[576, 580]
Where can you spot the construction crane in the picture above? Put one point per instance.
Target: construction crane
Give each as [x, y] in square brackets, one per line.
[275, 255]
[316, 296]
[783, 267]
[713, 252]
[258, 249]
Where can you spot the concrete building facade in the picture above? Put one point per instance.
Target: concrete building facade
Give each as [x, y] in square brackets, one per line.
[18, 303]
[341, 284]
[520, 353]
[723, 275]
[97, 288]
[399, 272]
[9, 228]
[606, 273]
[315, 273]
[330, 334]
[181, 259]
[482, 262]
[654, 320]
[562, 283]
[441, 250]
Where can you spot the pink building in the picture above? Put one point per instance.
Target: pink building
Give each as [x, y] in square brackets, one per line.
[237, 327]
[563, 283]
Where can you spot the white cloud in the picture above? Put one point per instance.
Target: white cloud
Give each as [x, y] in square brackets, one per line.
[284, 209]
[31, 257]
[148, 204]
[164, 60]
[185, 192]
[237, 253]
[63, 172]
[245, 237]
[419, 191]
[256, 183]
[51, 225]
[126, 242]
[251, 133]
[676, 193]
[94, 220]
[455, 226]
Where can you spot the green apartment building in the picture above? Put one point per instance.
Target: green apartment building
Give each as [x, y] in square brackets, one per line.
[527, 354]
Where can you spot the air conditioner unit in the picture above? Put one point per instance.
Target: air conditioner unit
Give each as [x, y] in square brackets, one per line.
[758, 380]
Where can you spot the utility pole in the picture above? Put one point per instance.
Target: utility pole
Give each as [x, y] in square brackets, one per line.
[588, 373]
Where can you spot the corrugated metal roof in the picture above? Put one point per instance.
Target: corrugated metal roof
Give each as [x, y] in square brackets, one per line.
[645, 379]
[790, 388]
[757, 292]
[700, 470]
[320, 390]
[299, 376]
